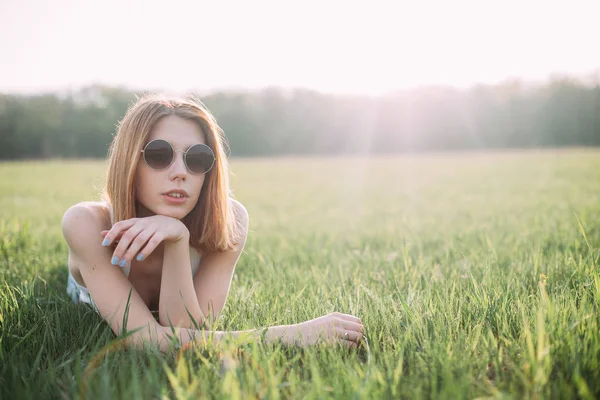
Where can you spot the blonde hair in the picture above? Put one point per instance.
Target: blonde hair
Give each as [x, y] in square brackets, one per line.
[211, 222]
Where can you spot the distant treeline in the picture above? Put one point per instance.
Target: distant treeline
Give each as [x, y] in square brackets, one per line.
[274, 121]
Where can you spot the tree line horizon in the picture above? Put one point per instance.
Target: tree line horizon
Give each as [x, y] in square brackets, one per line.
[277, 122]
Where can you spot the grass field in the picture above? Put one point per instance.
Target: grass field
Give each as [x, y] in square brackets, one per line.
[475, 275]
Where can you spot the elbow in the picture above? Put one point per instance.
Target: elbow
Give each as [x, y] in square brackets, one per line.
[167, 322]
[186, 323]
[155, 336]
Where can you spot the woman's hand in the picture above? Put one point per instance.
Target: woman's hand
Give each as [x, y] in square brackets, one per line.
[141, 236]
[331, 328]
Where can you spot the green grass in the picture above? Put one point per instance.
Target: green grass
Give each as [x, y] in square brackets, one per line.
[475, 275]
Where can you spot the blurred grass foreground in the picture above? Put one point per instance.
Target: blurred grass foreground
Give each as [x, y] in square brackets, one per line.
[475, 275]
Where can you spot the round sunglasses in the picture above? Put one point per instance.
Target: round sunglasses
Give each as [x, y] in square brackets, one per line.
[159, 155]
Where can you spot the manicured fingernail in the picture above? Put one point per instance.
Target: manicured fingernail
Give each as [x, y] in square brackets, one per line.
[139, 257]
[105, 242]
[123, 263]
[115, 260]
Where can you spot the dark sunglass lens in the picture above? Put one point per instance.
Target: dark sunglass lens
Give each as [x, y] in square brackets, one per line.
[158, 154]
[200, 158]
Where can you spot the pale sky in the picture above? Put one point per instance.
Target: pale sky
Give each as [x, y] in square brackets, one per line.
[332, 46]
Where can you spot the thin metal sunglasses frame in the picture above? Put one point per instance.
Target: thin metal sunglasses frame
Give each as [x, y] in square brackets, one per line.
[143, 151]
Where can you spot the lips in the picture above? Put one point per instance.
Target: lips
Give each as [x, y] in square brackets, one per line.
[179, 191]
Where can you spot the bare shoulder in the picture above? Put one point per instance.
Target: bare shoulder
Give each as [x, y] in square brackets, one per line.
[241, 222]
[241, 216]
[240, 212]
[84, 219]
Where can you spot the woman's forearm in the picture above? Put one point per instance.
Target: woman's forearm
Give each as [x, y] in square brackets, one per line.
[163, 336]
[178, 300]
[281, 333]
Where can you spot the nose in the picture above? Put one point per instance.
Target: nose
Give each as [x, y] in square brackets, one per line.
[178, 170]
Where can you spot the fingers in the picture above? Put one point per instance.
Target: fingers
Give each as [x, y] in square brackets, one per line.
[347, 327]
[117, 230]
[153, 243]
[349, 317]
[346, 321]
[334, 328]
[105, 232]
[126, 240]
[134, 250]
[129, 236]
[353, 336]
[353, 326]
[346, 342]
[343, 316]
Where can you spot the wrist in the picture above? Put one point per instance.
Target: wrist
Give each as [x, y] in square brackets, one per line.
[185, 237]
[185, 234]
[181, 241]
[283, 333]
[180, 245]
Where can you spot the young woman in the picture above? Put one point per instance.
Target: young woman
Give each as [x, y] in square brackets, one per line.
[167, 235]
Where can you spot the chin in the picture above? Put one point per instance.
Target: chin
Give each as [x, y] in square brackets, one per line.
[171, 211]
[178, 214]
[159, 207]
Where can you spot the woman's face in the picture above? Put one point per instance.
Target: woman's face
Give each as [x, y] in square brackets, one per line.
[152, 186]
